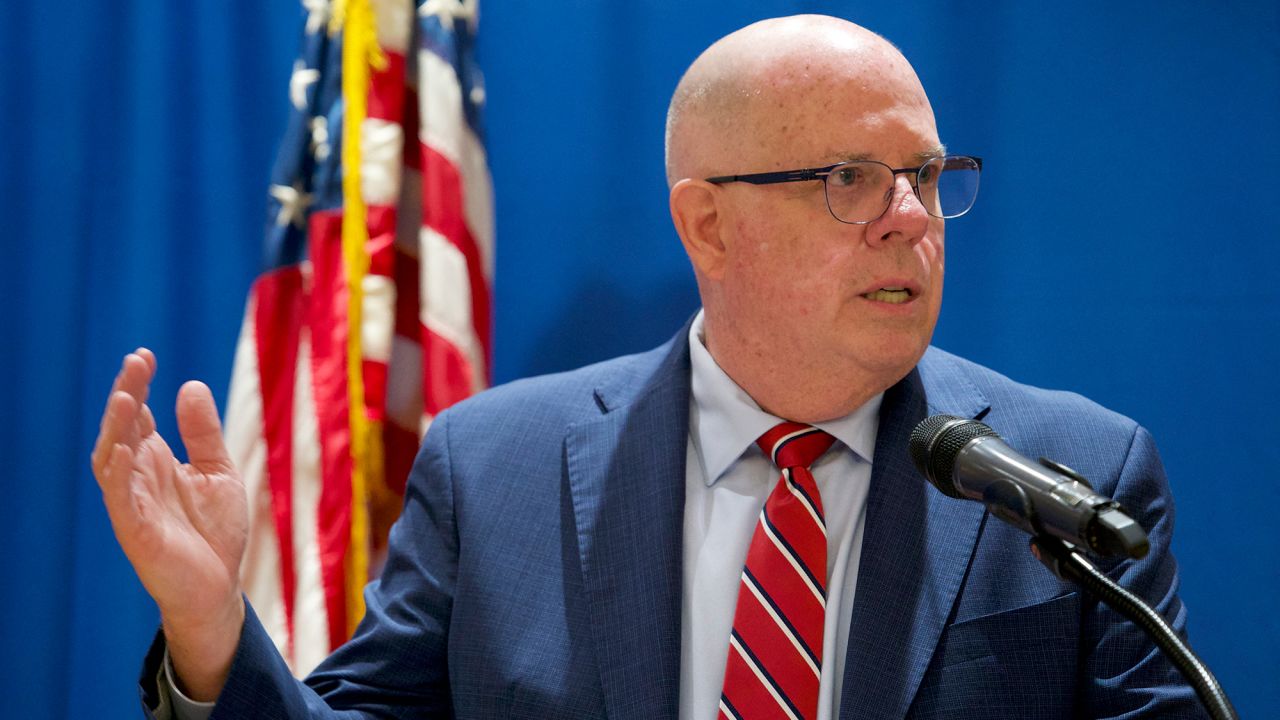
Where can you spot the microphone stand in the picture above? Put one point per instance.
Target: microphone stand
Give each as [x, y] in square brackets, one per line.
[1068, 563]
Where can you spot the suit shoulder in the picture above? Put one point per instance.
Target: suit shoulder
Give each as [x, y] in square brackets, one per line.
[1029, 406]
[566, 396]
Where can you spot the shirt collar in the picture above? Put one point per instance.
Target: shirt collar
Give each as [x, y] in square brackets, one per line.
[725, 422]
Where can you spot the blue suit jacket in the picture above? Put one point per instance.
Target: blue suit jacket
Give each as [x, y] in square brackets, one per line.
[535, 571]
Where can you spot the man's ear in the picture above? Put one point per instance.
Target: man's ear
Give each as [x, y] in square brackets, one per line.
[701, 225]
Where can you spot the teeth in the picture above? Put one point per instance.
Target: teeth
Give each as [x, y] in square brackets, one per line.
[894, 296]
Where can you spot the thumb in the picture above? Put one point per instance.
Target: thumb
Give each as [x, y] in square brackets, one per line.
[200, 429]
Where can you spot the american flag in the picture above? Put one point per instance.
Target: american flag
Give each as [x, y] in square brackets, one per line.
[373, 314]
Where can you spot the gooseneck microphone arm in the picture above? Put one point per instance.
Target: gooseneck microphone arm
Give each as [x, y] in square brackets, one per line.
[966, 459]
[1070, 564]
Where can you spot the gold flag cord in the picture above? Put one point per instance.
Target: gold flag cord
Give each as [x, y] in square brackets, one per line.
[360, 55]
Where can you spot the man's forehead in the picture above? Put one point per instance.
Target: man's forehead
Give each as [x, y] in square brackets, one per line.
[790, 87]
[871, 88]
[876, 126]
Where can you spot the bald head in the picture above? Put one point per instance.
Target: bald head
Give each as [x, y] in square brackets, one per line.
[742, 90]
[775, 267]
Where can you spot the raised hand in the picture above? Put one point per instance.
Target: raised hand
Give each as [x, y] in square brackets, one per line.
[183, 526]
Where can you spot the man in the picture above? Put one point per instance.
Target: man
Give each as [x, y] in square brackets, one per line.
[574, 545]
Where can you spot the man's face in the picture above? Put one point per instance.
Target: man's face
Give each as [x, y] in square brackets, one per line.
[803, 283]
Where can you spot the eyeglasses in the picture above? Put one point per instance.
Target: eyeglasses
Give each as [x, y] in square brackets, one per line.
[859, 192]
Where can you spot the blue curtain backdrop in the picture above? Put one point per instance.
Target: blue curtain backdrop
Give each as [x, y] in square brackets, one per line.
[1126, 245]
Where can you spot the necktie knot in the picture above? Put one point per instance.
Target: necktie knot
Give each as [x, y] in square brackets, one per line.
[791, 445]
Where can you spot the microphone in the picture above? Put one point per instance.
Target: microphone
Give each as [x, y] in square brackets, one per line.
[966, 459]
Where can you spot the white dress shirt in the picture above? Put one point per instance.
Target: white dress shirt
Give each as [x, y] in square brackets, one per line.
[727, 480]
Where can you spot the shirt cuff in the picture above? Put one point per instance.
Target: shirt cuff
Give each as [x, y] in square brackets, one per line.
[173, 704]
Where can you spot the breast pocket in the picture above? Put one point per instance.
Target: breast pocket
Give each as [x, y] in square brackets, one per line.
[1014, 664]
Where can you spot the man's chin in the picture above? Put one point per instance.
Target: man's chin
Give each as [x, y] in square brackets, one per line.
[892, 359]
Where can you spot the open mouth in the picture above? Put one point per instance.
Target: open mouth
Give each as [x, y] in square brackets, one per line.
[891, 295]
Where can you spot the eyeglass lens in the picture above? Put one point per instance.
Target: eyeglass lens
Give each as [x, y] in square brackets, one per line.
[860, 191]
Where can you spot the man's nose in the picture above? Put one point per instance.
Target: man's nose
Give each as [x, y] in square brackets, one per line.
[904, 219]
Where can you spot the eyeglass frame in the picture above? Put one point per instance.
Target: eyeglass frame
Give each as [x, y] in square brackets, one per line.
[822, 173]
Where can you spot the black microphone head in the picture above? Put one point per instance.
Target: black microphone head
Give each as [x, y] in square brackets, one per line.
[935, 444]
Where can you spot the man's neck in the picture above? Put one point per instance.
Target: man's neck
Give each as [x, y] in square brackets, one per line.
[797, 388]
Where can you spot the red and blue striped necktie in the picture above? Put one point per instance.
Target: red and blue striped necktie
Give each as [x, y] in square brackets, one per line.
[775, 649]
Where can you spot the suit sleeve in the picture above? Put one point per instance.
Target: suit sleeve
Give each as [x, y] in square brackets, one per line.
[1124, 675]
[396, 664]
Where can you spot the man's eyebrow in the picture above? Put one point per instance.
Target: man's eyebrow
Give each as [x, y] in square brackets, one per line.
[922, 156]
[933, 152]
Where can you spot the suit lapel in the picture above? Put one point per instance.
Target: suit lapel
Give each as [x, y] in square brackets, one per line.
[916, 549]
[626, 474]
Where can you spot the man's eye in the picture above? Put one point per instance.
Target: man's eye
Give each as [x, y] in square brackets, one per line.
[846, 176]
[928, 174]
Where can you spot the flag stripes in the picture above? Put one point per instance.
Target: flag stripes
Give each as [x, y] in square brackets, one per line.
[374, 313]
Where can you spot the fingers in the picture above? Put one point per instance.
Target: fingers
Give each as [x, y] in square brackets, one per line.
[148, 357]
[119, 427]
[136, 373]
[114, 481]
[149, 360]
[133, 379]
[200, 429]
[102, 445]
[145, 422]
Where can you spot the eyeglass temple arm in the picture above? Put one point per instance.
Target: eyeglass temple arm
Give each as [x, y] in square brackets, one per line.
[770, 177]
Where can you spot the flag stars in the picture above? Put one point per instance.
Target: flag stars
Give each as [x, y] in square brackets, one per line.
[303, 78]
[320, 138]
[450, 11]
[293, 204]
[318, 12]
